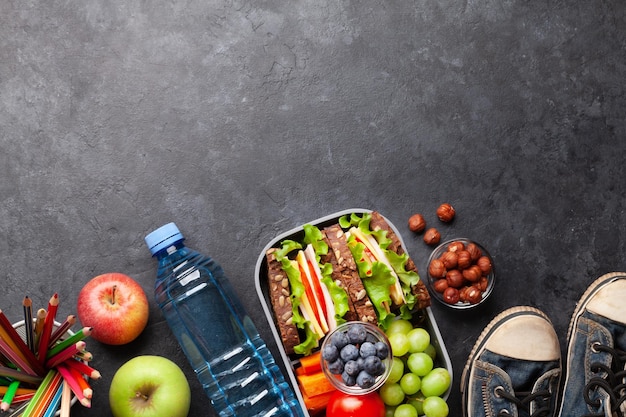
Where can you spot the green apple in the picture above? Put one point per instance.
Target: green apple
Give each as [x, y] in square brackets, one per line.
[149, 386]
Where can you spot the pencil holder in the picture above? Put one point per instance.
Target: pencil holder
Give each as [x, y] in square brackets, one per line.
[20, 328]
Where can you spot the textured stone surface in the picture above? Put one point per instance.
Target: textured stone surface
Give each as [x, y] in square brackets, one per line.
[239, 120]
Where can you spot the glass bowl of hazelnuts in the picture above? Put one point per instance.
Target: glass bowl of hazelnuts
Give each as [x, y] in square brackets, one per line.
[461, 274]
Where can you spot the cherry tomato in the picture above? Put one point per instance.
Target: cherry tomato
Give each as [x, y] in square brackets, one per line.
[346, 405]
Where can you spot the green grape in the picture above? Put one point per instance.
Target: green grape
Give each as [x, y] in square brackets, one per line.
[431, 351]
[419, 339]
[391, 393]
[435, 407]
[417, 401]
[436, 382]
[410, 383]
[397, 370]
[399, 344]
[405, 410]
[399, 326]
[420, 363]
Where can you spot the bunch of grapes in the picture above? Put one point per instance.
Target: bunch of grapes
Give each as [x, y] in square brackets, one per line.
[415, 385]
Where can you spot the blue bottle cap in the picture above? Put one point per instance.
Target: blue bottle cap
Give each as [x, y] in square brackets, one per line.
[163, 237]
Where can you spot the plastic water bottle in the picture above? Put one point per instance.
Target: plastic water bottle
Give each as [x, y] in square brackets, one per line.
[232, 362]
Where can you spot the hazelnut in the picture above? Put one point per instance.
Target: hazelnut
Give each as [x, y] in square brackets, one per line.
[472, 274]
[436, 269]
[463, 294]
[474, 251]
[445, 212]
[432, 236]
[440, 285]
[482, 284]
[449, 259]
[417, 223]
[456, 246]
[455, 278]
[464, 259]
[451, 295]
[473, 295]
[484, 263]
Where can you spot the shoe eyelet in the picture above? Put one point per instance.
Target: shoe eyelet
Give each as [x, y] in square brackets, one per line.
[594, 347]
[497, 390]
[504, 412]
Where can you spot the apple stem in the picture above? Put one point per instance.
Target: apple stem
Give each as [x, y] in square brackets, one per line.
[113, 293]
[142, 396]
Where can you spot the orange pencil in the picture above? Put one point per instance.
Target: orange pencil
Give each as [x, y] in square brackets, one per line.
[69, 378]
[48, 324]
[82, 382]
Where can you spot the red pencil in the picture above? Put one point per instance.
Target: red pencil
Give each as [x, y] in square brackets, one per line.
[48, 324]
[83, 368]
[65, 354]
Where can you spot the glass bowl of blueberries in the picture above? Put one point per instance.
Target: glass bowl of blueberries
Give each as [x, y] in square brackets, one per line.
[356, 357]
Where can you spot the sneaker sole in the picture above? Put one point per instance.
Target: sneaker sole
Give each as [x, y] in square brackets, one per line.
[479, 345]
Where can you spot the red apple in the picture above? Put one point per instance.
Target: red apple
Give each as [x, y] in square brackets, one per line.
[115, 306]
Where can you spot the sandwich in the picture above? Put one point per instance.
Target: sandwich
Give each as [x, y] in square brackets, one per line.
[353, 270]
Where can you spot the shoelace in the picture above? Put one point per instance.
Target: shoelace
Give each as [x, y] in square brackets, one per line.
[523, 400]
[613, 383]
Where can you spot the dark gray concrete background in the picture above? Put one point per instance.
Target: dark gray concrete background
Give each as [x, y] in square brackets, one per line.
[239, 120]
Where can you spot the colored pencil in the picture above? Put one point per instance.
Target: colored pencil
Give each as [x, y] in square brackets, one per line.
[43, 403]
[27, 303]
[16, 359]
[74, 385]
[61, 330]
[15, 341]
[17, 412]
[39, 321]
[82, 382]
[76, 337]
[19, 375]
[65, 354]
[7, 399]
[84, 355]
[40, 393]
[54, 403]
[20, 390]
[48, 324]
[84, 369]
[66, 400]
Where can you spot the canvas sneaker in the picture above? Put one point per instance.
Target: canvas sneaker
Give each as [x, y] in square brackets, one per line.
[514, 367]
[595, 381]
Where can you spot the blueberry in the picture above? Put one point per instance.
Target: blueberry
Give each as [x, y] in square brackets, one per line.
[330, 353]
[367, 349]
[340, 339]
[371, 338]
[347, 379]
[382, 350]
[357, 333]
[352, 368]
[336, 367]
[365, 380]
[349, 353]
[374, 366]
